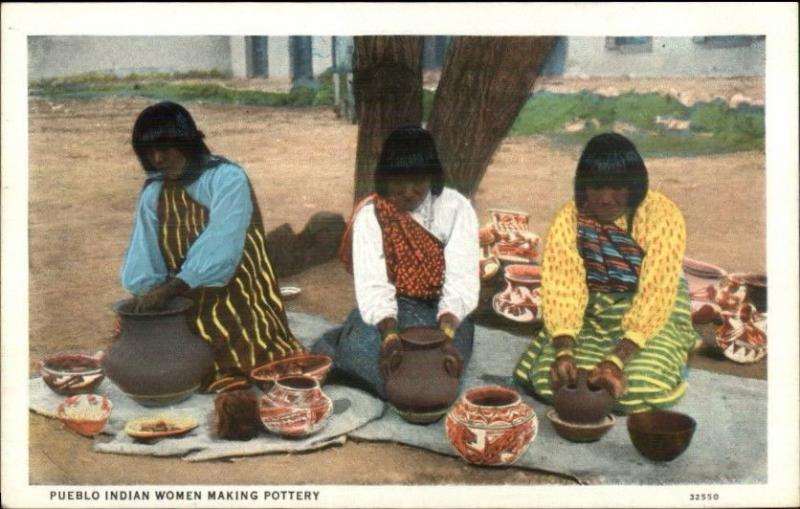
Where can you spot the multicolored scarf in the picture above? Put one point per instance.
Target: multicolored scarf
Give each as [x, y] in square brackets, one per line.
[414, 256]
[610, 255]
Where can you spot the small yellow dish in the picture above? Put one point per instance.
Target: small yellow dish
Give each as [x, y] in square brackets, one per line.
[159, 426]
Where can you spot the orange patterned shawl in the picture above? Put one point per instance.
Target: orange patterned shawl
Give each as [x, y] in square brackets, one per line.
[414, 256]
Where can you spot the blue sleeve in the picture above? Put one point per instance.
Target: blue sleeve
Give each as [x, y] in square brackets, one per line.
[144, 267]
[214, 256]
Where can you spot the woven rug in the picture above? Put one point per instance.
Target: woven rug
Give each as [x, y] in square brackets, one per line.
[729, 446]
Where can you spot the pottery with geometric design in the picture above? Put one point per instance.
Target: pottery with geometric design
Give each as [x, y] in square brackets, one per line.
[491, 425]
[294, 406]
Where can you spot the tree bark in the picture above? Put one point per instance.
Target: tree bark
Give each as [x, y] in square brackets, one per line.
[387, 78]
[484, 84]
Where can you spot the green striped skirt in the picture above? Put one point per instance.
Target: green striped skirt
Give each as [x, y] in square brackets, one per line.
[655, 376]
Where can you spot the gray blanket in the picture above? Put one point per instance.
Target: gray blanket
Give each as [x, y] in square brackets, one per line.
[729, 446]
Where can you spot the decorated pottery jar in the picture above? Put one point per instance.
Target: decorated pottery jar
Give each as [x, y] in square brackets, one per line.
[582, 403]
[294, 406]
[156, 359]
[742, 337]
[421, 375]
[491, 425]
[520, 301]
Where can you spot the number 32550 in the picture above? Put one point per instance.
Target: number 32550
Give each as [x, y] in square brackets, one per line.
[699, 497]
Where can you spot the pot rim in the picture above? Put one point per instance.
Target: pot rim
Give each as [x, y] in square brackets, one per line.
[261, 372]
[690, 428]
[98, 369]
[499, 388]
[281, 381]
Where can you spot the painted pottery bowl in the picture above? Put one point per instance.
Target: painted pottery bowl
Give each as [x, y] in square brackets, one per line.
[152, 427]
[582, 403]
[702, 269]
[486, 236]
[575, 432]
[295, 407]
[315, 366]
[491, 425]
[71, 373]
[742, 337]
[755, 288]
[489, 267]
[290, 292]
[527, 275]
[86, 414]
[661, 435]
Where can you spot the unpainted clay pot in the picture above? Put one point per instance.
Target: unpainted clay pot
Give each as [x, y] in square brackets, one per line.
[421, 376]
[157, 360]
[582, 403]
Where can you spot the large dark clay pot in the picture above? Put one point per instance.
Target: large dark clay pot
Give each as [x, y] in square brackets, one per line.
[421, 377]
[157, 360]
[582, 403]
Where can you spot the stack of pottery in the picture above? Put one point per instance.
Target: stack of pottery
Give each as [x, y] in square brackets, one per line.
[581, 412]
[421, 376]
[156, 359]
[520, 300]
[491, 425]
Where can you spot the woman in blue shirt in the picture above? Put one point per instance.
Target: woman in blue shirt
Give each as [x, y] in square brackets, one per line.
[198, 232]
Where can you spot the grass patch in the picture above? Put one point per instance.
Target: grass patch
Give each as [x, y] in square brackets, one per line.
[714, 127]
[167, 87]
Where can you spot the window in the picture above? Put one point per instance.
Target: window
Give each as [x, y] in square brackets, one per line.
[727, 41]
[630, 44]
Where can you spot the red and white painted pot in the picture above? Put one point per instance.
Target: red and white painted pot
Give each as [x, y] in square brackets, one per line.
[491, 425]
[742, 337]
[294, 407]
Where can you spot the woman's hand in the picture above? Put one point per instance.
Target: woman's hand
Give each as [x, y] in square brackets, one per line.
[608, 373]
[448, 324]
[563, 370]
[158, 297]
[608, 376]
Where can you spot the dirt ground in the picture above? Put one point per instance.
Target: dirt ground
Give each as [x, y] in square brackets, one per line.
[84, 181]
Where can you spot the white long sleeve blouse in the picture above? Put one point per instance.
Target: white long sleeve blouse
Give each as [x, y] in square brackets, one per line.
[451, 218]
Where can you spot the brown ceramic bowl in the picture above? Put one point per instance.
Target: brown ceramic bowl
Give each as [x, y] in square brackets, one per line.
[315, 366]
[71, 373]
[575, 432]
[661, 435]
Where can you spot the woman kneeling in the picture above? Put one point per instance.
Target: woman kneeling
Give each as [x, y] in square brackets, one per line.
[613, 296]
[413, 249]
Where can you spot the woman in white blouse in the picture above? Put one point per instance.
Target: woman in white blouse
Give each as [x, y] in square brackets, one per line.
[413, 250]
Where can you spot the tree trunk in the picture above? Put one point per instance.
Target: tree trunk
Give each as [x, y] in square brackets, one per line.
[387, 78]
[484, 84]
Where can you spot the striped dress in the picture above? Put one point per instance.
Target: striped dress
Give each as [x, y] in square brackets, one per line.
[601, 284]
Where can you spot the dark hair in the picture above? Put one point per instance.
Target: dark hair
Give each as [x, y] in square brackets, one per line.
[611, 159]
[409, 151]
[168, 124]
